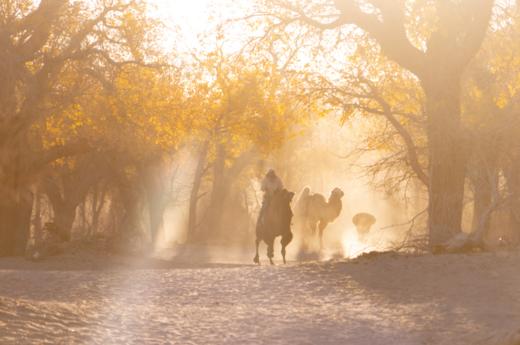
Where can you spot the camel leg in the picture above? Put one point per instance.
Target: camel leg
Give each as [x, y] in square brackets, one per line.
[307, 235]
[301, 230]
[312, 227]
[257, 258]
[322, 227]
[270, 251]
[286, 239]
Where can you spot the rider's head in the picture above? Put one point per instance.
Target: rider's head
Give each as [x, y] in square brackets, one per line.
[271, 173]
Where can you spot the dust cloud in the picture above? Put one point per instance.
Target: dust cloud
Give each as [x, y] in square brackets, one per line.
[322, 158]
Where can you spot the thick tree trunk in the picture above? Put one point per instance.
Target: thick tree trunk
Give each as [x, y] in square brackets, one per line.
[98, 202]
[64, 209]
[224, 179]
[156, 212]
[218, 196]
[69, 190]
[15, 223]
[447, 159]
[482, 198]
[16, 199]
[194, 195]
[513, 185]
[484, 177]
[152, 175]
[64, 216]
[130, 202]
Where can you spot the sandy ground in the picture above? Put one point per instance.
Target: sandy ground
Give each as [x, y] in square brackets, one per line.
[388, 299]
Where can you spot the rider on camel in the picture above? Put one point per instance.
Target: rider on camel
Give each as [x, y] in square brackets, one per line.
[271, 183]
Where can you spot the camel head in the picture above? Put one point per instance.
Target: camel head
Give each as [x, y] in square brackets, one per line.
[287, 196]
[336, 194]
[282, 199]
[285, 205]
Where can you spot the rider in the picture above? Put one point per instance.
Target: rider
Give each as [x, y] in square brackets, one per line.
[271, 183]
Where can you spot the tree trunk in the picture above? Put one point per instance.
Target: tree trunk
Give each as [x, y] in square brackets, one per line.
[484, 177]
[98, 202]
[67, 191]
[64, 215]
[224, 179]
[156, 212]
[37, 217]
[84, 221]
[513, 186]
[64, 208]
[155, 193]
[130, 198]
[447, 158]
[16, 199]
[482, 198]
[194, 195]
[15, 223]
[218, 195]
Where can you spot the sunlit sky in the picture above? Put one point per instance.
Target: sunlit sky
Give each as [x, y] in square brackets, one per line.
[193, 17]
[188, 14]
[185, 20]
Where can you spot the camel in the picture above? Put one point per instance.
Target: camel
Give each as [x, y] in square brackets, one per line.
[276, 222]
[313, 210]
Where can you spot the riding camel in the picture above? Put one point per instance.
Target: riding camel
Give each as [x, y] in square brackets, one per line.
[275, 222]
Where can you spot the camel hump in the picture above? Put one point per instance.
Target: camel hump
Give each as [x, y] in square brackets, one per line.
[317, 199]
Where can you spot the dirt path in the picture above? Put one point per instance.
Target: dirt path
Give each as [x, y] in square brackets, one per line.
[387, 300]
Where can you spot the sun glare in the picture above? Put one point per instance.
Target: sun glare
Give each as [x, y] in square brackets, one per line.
[190, 19]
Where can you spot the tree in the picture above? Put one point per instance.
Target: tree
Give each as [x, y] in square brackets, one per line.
[438, 61]
[50, 51]
[249, 110]
[490, 103]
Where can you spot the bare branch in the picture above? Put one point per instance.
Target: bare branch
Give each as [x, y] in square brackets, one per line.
[388, 32]
[405, 135]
